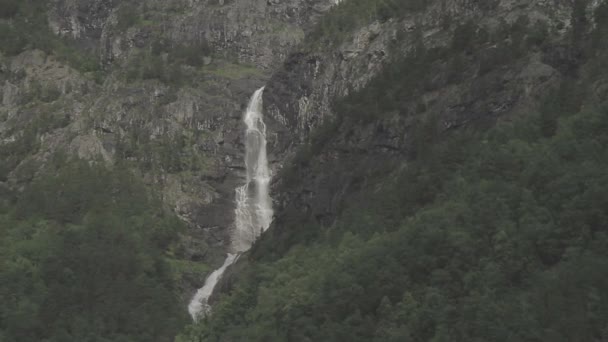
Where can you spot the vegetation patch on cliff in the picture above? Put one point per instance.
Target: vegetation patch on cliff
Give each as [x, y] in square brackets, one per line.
[349, 15]
[23, 25]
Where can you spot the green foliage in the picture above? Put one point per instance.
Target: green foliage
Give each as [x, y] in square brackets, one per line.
[9, 8]
[81, 259]
[538, 35]
[601, 21]
[135, 13]
[190, 54]
[352, 14]
[168, 153]
[472, 49]
[464, 37]
[567, 99]
[28, 29]
[148, 64]
[13, 42]
[145, 65]
[27, 138]
[128, 15]
[392, 90]
[579, 20]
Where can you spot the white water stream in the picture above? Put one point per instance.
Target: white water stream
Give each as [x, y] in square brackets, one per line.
[253, 213]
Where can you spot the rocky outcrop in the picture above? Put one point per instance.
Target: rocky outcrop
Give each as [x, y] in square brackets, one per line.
[258, 32]
[300, 95]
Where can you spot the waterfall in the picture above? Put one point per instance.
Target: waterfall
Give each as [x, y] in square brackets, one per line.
[253, 213]
[198, 305]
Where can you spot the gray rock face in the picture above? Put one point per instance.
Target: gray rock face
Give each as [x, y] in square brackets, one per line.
[258, 32]
[81, 20]
[300, 95]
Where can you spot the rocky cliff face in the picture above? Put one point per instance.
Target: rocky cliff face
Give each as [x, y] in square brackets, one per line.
[257, 32]
[301, 93]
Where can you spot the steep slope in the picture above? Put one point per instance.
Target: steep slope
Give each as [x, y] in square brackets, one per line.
[155, 86]
[486, 64]
[452, 191]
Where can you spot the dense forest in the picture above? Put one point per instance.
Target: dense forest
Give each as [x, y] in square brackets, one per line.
[486, 235]
[83, 259]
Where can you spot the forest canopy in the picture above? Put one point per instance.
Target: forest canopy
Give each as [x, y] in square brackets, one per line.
[82, 259]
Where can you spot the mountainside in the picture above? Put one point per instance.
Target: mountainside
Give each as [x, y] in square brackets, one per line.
[438, 169]
[157, 87]
[453, 190]
[457, 63]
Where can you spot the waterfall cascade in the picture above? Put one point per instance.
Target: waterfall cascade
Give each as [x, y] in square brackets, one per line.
[253, 213]
[198, 305]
